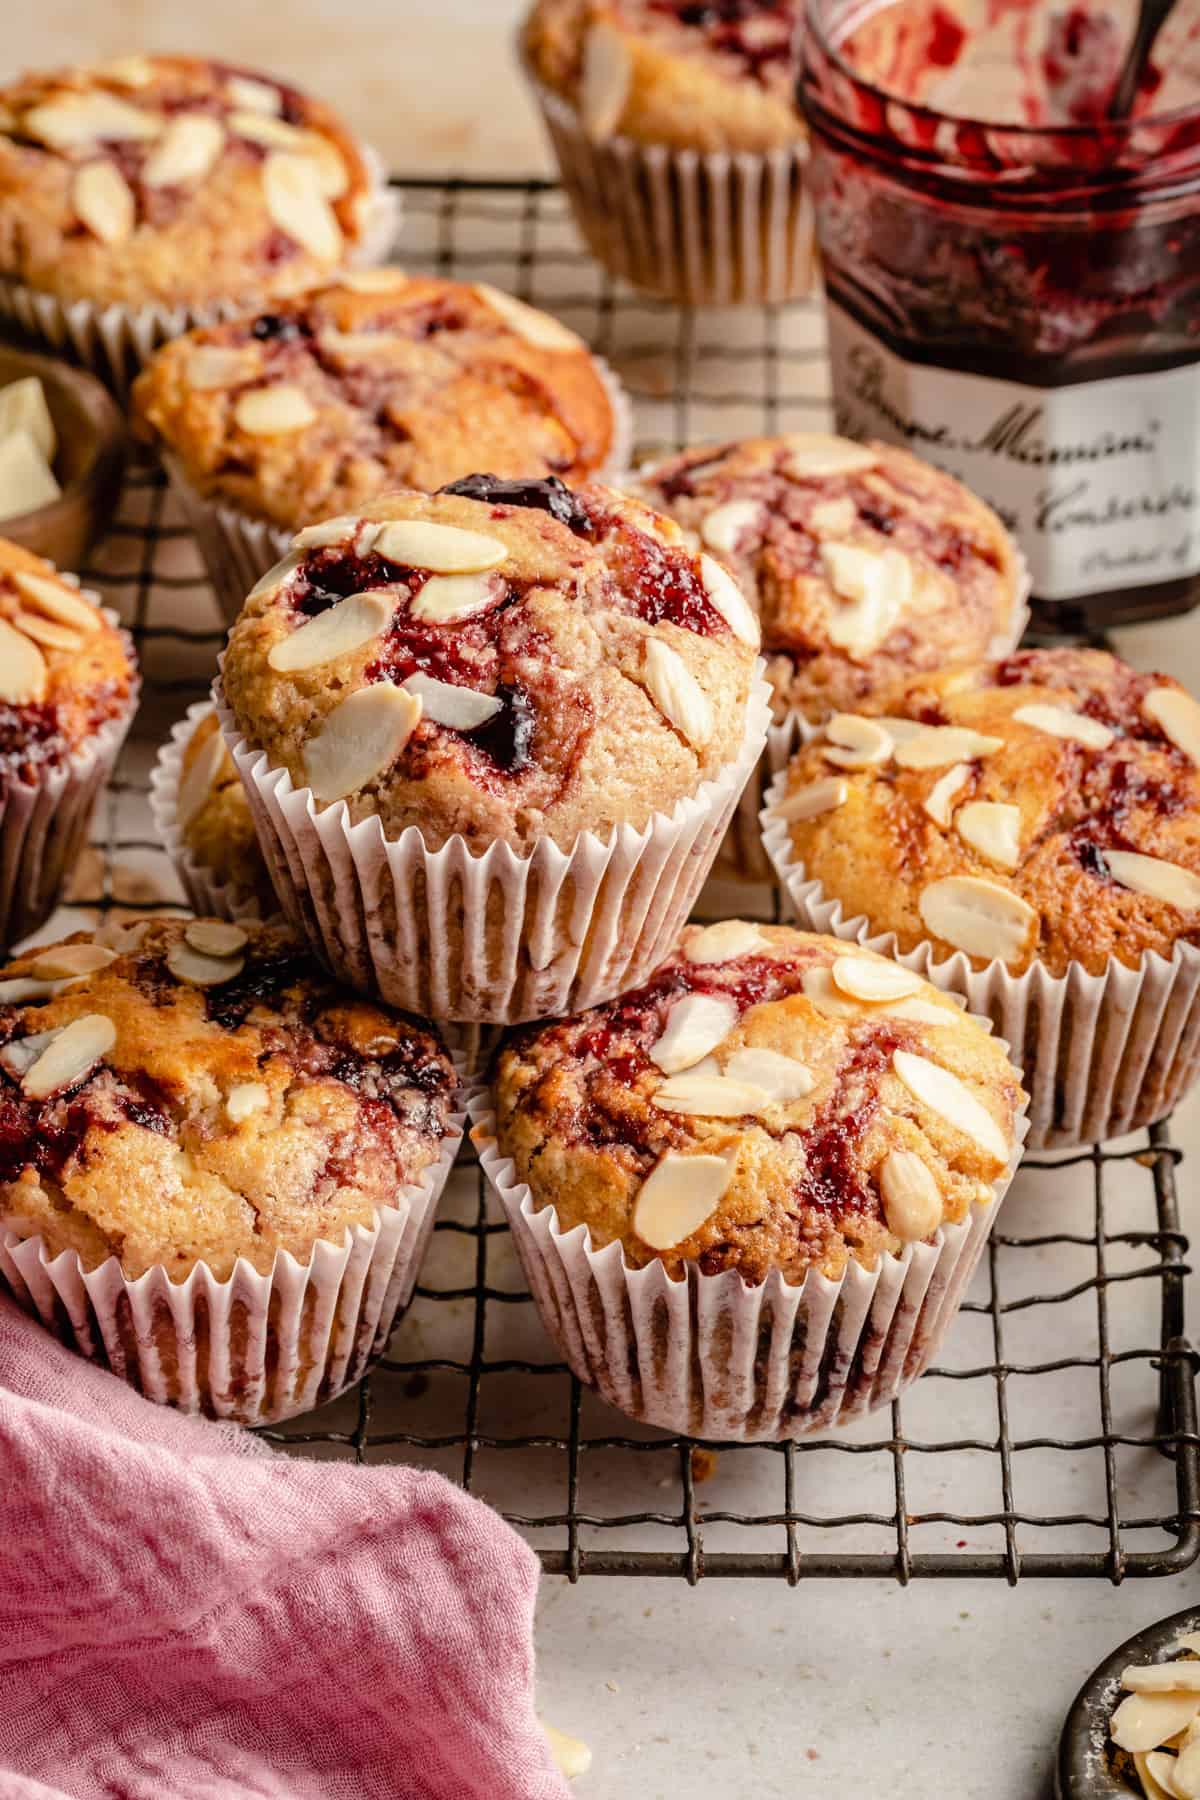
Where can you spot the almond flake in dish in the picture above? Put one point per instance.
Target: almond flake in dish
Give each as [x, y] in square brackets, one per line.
[359, 739]
[1157, 879]
[678, 1195]
[1144, 1721]
[728, 599]
[725, 527]
[295, 198]
[993, 829]
[458, 708]
[605, 84]
[943, 1093]
[103, 201]
[345, 628]
[197, 781]
[186, 152]
[23, 407]
[74, 121]
[442, 549]
[195, 969]
[912, 1199]
[696, 1024]
[248, 1098]
[74, 1052]
[215, 937]
[1062, 722]
[676, 693]
[725, 942]
[863, 978]
[210, 367]
[936, 745]
[939, 801]
[57, 600]
[978, 917]
[445, 597]
[527, 322]
[711, 1096]
[858, 743]
[22, 668]
[810, 801]
[781, 1078]
[811, 455]
[1177, 715]
[67, 962]
[1162, 1678]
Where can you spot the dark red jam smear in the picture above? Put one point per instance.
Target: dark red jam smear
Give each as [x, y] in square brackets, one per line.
[655, 583]
[724, 24]
[548, 495]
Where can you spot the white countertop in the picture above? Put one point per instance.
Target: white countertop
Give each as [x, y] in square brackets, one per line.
[852, 1687]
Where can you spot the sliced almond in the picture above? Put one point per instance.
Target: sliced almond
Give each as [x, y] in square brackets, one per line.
[458, 708]
[196, 783]
[605, 82]
[22, 990]
[271, 411]
[75, 1051]
[870, 978]
[900, 730]
[48, 632]
[1162, 1678]
[878, 588]
[922, 1011]
[726, 526]
[443, 549]
[216, 937]
[373, 281]
[696, 1024]
[936, 745]
[353, 346]
[253, 96]
[1177, 715]
[1143, 1721]
[258, 126]
[275, 577]
[709, 1096]
[858, 743]
[129, 71]
[1187, 1770]
[1156, 1774]
[724, 942]
[210, 367]
[812, 454]
[728, 599]
[246, 1099]
[1157, 879]
[66, 962]
[22, 668]
[57, 601]
[446, 597]
[943, 1093]
[342, 630]
[292, 189]
[676, 693]
[195, 969]
[782, 1078]
[678, 1195]
[103, 201]
[19, 1054]
[833, 518]
[939, 801]
[360, 738]
[328, 532]
[993, 829]
[528, 322]
[73, 121]
[1062, 722]
[978, 917]
[815, 798]
[186, 152]
[912, 1199]
[818, 987]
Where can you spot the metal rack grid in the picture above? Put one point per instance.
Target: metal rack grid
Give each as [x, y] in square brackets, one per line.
[1058, 1435]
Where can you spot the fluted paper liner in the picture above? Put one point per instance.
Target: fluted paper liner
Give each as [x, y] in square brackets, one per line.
[237, 548]
[1101, 1055]
[256, 1348]
[710, 1356]
[206, 895]
[715, 228]
[495, 937]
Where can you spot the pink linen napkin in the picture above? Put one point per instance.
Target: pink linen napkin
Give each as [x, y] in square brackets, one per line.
[186, 1615]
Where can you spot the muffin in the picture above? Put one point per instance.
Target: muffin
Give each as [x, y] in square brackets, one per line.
[679, 141]
[141, 195]
[865, 565]
[204, 820]
[380, 381]
[749, 1195]
[218, 1171]
[491, 738]
[1027, 834]
[68, 691]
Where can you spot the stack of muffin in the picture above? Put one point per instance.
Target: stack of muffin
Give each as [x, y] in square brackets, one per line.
[488, 711]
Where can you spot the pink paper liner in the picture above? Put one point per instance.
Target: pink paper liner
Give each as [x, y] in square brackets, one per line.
[710, 1356]
[206, 895]
[494, 937]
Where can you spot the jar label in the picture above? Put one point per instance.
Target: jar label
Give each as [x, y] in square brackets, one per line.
[1099, 482]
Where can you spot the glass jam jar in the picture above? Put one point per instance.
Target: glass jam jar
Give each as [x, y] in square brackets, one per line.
[1019, 303]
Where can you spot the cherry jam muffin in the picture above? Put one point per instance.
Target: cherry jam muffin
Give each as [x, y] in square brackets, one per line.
[690, 113]
[781, 1127]
[257, 1152]
[542, 694]
[68, 689]
[322, 403]
[1027, 833]
[168, 185]
[204, 820]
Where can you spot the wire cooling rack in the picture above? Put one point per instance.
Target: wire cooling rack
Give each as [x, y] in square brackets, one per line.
[1057, 1436]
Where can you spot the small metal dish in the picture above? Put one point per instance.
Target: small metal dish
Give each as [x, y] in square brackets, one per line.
[89, 461]
[1084, 1770]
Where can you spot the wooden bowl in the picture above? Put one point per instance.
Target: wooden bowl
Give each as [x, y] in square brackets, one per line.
[89, 461]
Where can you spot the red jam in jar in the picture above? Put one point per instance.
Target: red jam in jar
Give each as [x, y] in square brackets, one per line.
[1013, 281]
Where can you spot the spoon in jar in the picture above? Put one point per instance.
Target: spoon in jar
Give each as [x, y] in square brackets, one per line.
[1152, 15]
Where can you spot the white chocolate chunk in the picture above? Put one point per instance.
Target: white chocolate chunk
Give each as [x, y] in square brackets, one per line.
[1175, 713]
[993, 829]
[912, 1199]
[57, 600]
[871, 979]
[103, 201]
[295, 198]
[696, 1024]
[186, 152]
[22, 668]
[68, 962]
[253, 96]
[724, 942]
[728, 599]
[442, 549]
[936, 745]
[270, 411]
[605, 83]
[939, 801]
[712, 1096]
[810, 801]
[1143, 1721]
[27, 481]
[1187, 1769]
[813, 454]
[73, 1054]
[342, 630]
[458, 708]
[73, 121]
[943, 1093]
[210, 367]
[978, 917]
[23, 407]
[197, 781]
[246, 1099]
[572, 1757]
[1162, 1678]
[859, 743]
[195, 969]
[678, 1195]
[216, 937]
[446, 597]
[676, 693]
[1062, 722]
[782, 1078]
[725, 527]
[1157, 879]
[360, 739]
[528, 322]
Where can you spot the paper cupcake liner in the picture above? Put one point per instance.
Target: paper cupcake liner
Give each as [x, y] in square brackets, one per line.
[719, 228]
[206, 895]
[495, 937]
[256, 1348]
[711, 1357]
[237, 548]
[1101, 1055]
